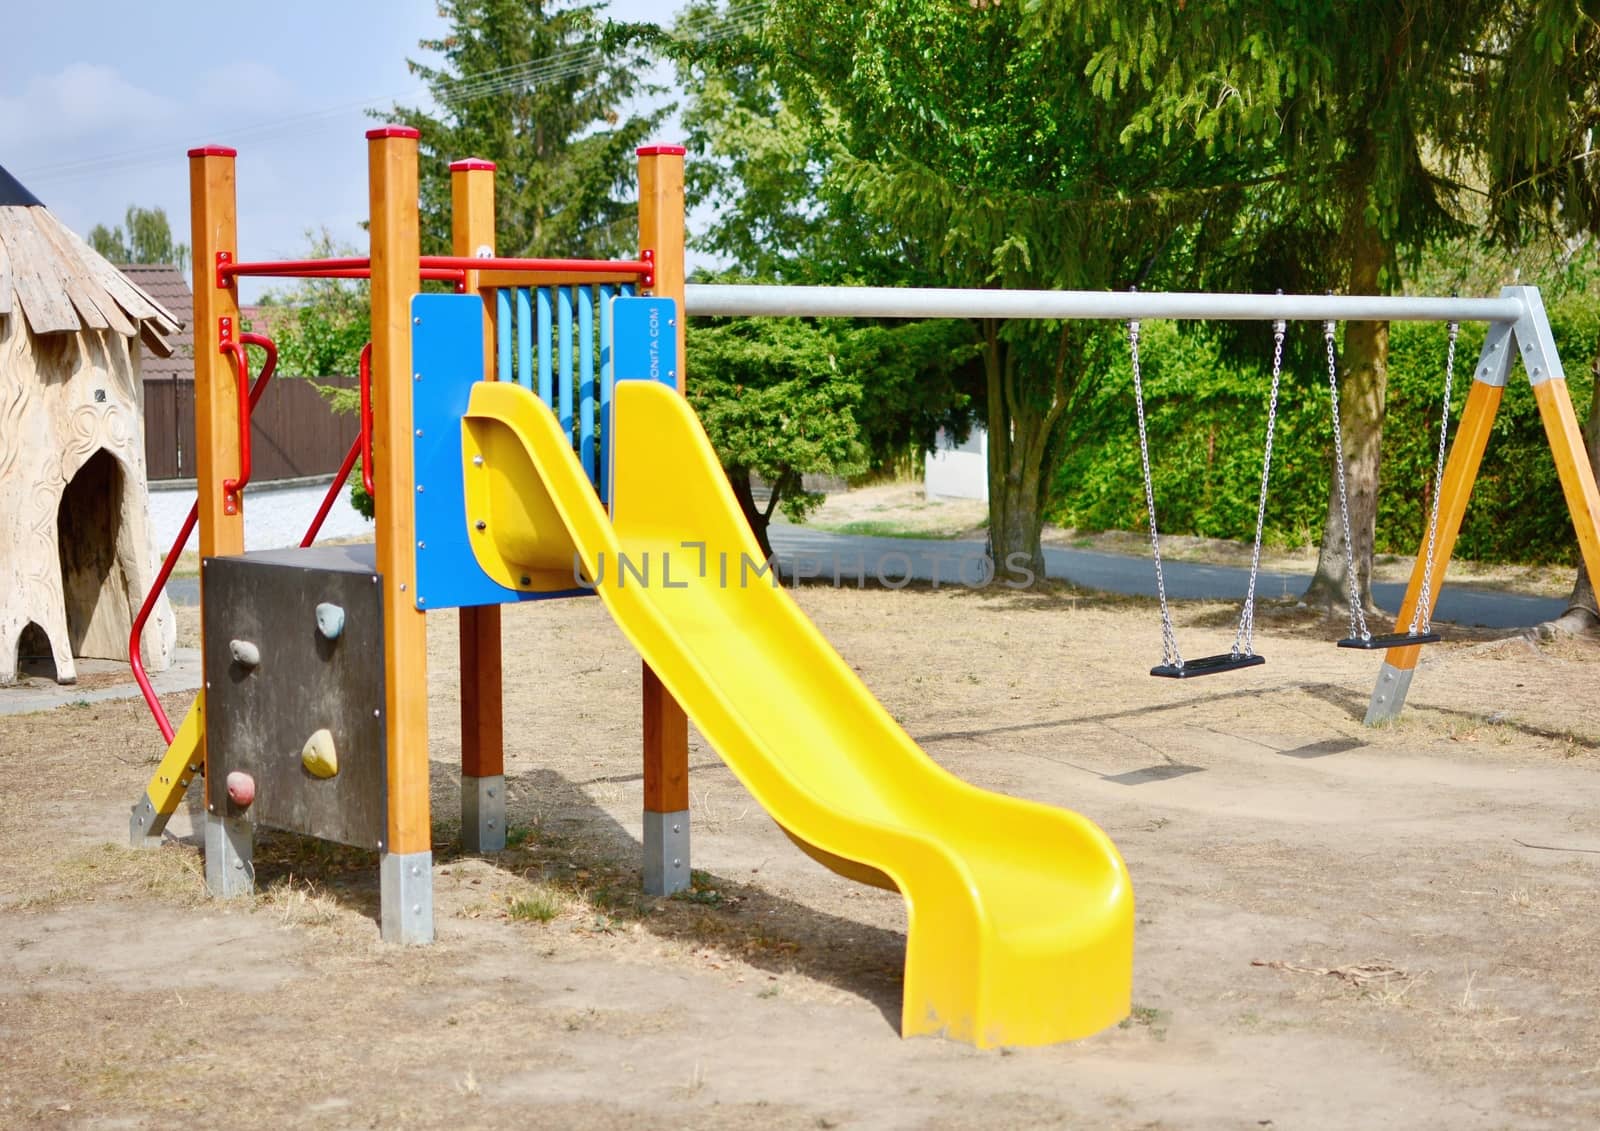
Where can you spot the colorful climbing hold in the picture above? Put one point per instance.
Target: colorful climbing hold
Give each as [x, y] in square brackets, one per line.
[241, 788]
[318, 756]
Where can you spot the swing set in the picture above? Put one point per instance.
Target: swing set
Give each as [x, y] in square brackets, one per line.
[1517, 325]
[1243, 654]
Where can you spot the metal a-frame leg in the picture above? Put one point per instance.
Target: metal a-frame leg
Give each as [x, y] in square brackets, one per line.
[1536, 344]
[1472, 436]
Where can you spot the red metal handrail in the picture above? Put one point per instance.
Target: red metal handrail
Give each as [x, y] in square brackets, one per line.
[364, 370]
[360, 446]
[135, 638]
[442, 267]
[333, 492]
[233, 488]
[644, 265]
[136, 634]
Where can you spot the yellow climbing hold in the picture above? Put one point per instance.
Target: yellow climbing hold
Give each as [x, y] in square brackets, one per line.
[318, 756]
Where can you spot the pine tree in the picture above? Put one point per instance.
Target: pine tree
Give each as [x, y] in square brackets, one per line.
[543, 90]
[1360, 126]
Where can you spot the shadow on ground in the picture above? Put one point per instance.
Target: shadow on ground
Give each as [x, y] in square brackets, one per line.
[560, 839]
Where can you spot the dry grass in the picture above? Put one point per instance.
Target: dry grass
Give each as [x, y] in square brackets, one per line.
[171, 874]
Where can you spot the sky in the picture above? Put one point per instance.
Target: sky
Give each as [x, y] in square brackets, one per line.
[100, 100]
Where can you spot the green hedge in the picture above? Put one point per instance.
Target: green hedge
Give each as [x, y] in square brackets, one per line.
[1207, 419]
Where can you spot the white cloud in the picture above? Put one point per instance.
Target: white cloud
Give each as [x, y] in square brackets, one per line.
[247, 85]
[80, 101]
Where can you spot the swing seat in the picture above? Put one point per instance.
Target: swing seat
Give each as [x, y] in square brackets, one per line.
[1208, 665]
[1388, 640]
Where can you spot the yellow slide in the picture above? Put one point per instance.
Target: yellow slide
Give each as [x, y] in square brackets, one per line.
[1020, 915]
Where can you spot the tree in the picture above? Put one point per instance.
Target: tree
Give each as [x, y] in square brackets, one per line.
[148, 239]
[963, 147]
[777, 405]
[1540, 105]
[1364, 123]
[320, 327]
[540, 89]
[772, 209]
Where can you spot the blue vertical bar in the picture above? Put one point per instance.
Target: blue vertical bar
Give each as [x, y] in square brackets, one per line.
[524, 340]
[564, 359]
[542, 304]
[607, 380]
[502, 334]
[586, 380]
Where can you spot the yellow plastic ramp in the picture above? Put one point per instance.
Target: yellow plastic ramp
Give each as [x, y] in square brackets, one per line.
[1020, 915]
[183, 760]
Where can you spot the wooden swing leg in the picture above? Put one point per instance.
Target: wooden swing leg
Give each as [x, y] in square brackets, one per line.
[1472, 436]
[1572, 465]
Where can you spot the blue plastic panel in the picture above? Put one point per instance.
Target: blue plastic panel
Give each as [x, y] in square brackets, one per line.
[644, 332]
[524, 375]
[503, 340]
[541, 302]
[586, 390]
[564, 359]
[643, 347]
[447, 358]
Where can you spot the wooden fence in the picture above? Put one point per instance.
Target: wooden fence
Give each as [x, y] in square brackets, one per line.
[294, 430]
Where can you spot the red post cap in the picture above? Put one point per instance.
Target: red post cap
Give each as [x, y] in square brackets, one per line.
[661, 151]
[394, 131]
[213, 151]
[469, 163]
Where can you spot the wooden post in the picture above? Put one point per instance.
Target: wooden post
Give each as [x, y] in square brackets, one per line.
[1572, 465]
[666, 727]
[214, 232]
[406, 867]
[214, 236]
[483, 794]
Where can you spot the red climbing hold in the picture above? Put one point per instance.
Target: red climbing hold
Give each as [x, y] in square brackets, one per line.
[241, 788]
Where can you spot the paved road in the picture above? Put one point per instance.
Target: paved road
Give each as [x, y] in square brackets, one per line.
[888, 560]
[849, 559]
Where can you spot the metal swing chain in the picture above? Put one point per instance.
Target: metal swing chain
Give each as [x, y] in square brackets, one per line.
[1244, 638]
[1423, 614]
[1358, 616]
[1169, 638]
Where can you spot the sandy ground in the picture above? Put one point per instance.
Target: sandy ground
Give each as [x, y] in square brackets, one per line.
[1337, 927]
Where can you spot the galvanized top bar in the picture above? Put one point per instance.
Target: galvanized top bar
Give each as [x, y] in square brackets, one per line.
[909, 302]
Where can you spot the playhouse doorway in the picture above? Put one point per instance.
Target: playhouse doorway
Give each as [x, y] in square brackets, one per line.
[34, 657]
[94, 584]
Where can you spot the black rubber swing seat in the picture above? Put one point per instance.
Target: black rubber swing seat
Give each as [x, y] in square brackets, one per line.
[1390, 640]
[1208, 665]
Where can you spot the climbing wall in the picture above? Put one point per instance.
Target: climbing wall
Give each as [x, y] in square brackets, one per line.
[295, 728]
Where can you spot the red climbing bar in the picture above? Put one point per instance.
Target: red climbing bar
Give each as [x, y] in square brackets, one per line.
[642, 266]
[333, 489]
[360, 446]
[448, 268]
[291, 267]
[136, 637]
